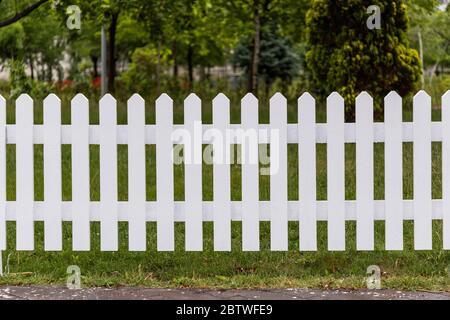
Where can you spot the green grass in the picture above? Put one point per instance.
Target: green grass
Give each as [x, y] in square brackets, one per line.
[408, 269]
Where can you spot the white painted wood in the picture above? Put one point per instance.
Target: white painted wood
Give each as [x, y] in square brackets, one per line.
[393, 166]
[136, 174]
[235, 130]
[236, 210]
[80, 174]
[446, 169]
[2, 175]
[307, 172]
[24, 174]
[250, 173]
[109, 236]
[422, 171]
[52, 174]
[193, 173]
[278, 179]
[164, 174]
[364, 172]
[336, 172]
[221, 175]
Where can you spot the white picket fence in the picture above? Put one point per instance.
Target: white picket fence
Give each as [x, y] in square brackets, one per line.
[221, 211]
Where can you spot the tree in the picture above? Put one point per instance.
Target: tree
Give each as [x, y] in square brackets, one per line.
[103, 12]
[348, 57]
[278, 59]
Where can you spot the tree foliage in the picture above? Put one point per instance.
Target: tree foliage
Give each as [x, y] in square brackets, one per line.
[348, 57]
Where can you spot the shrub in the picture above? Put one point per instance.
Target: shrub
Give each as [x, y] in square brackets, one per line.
[348, 57]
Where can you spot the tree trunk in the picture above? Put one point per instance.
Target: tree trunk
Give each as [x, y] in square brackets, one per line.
[111, 51]
[190, 60]
[94, 60]
[175, 59]
[253, 76]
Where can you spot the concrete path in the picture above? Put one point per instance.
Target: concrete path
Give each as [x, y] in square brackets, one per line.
[60, 293]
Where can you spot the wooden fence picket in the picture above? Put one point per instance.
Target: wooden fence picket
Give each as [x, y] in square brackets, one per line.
[364, 173]
[422, 171]
[446, 169]
[193, 174]
[24, 174]
[250, 173]
[307, 172]
[336, 172]
[80, 174]
[109, 232]
[52, 174]
[393, 166]
[136, 174]
[221, 175]
[164, 174]
[278, 174]
[3, 188]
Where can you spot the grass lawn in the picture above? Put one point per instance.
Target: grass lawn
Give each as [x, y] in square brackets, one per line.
[408, 269]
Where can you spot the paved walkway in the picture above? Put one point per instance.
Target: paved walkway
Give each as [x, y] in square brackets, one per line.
[60, 293]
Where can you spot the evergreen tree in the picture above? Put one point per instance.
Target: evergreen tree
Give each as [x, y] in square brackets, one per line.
[348, 57]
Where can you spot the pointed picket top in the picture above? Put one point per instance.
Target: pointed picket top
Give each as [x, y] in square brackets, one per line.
[52, 98]
[2, 110]
[249, 98]
[192, 99]
[422, 96]
[163, 99]
[108, 99]
[278, 98]
[306, 98]
[392, 96]
[364, 96]
[221, 98]
[79, 99]
[24, 99]
[136, 99]
[446, 96]
[422, 100]
[335, 97]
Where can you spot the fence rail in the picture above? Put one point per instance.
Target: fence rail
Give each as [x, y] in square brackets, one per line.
[81, 211]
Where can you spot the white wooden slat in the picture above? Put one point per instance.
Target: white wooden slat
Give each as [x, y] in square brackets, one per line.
[336, 172]
[52, 174]
[164, 174]
[193, 174]
[2, 175]
[278, 171]
[109, 235]
[80, 174]
[393, 177]
[446, 169]
[250, 174]
[136, 174]
[422, 171]
[307, 172]
[221, 175]
[24, 173]
[364, 172]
